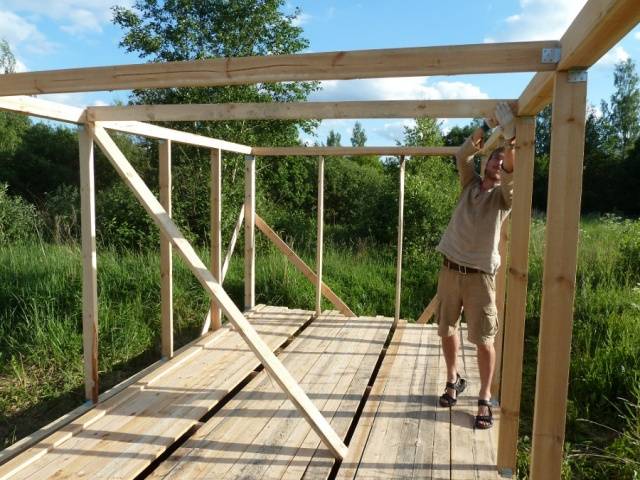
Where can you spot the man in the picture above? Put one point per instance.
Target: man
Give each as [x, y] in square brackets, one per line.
[471, 259]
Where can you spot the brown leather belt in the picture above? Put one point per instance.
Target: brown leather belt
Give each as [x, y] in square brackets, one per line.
[459, 268]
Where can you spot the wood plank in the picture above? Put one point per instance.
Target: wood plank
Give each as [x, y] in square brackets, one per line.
[395, 62]
[166, 253]
[335, 151]
[36, 107]
[130, 435]
[222, 442]
[197, 267]
[536, 95]
[370, 333]
[516, 305]
[429, 310]
[216, 231]
[161, 133]
[350, 464]
[400, 236]
[320, 236]
[302, 267]
[501, 290]
[467, 108]
[249, 232]
[441, 458]
[89, 266]
[108, 401]
[558, 284]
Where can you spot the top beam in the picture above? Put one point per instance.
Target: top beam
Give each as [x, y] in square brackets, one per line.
[298, 110]
[397, 62]
[597, 28]
[335, 151]
[42, 108]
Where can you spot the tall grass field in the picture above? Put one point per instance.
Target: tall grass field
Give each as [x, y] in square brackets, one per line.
[41, 366]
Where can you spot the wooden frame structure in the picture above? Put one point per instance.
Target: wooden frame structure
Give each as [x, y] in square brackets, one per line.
[560, 78]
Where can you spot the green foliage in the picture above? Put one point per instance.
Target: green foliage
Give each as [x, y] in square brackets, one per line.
[333, 139]
[358, 136]
[19, 220]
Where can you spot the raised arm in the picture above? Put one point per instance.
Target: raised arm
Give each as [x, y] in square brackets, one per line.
[465, 154]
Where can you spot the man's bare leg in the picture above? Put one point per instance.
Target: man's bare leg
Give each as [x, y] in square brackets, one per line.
[450, 348]
[486, 366]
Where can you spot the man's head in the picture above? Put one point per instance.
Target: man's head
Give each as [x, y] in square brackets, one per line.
[493, 167]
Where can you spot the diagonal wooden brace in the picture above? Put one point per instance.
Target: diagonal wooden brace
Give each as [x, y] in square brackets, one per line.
[271, 363]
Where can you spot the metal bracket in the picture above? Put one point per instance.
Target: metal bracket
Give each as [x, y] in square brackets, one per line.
[577, 76]
[506, 473]
[551, 55]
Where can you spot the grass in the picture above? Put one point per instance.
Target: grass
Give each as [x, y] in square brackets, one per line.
[41, 346]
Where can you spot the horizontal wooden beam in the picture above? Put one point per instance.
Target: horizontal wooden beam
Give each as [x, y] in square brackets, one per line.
[396, 62]
[334, 151]
[595, 30]
[298, 110]
[36, 107]
[154, 131]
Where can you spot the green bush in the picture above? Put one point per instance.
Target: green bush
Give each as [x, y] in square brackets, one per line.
[19, 220]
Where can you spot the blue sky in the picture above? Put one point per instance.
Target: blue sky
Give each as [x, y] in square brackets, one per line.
[53, 34]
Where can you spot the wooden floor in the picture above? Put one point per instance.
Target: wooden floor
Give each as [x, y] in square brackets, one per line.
[387, 411]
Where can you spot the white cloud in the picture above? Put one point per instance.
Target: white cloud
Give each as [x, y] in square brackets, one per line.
[301, 19]
[76, 17]
[488, 40]
[637, 35]
[409, 88]
[615, 55]
[394, 131]
[18, 31]
[539, 20]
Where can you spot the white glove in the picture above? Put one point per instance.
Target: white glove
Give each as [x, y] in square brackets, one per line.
[490, 122]
[506, 120]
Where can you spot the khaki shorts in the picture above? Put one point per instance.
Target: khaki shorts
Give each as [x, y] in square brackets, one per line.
[476, 292]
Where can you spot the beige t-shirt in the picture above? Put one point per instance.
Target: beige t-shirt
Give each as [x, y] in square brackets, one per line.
[473, 234]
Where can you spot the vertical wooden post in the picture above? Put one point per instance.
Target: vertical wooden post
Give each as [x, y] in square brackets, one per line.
[89, 266]
[320, 239]
[249, 232]
[166, 253]
[516, 305]
[396, 317]
[559, 278]
[501, 287]
[216, 231]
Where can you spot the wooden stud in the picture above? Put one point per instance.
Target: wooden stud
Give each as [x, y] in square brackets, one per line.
[216, 231]
[320, 237]
[396, 318]
[558, 284]
[249, 232]
[501, 290]
[298, 110]
[336, 151]
[516, 305]
[302, 267]
[536, 95]
[271, 363]
[382, 63]
[166, 260]
[42, 108]
[89, 266]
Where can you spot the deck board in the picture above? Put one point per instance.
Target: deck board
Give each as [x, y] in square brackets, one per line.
[137, 427]
[404, 433]
[260, 435]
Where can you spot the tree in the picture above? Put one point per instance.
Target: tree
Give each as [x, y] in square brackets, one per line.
[358, 137]
[624, 114]
[12, 125]
[333, 139]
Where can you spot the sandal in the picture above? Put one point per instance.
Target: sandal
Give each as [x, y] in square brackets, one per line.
[484, 422]
[447, 400]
